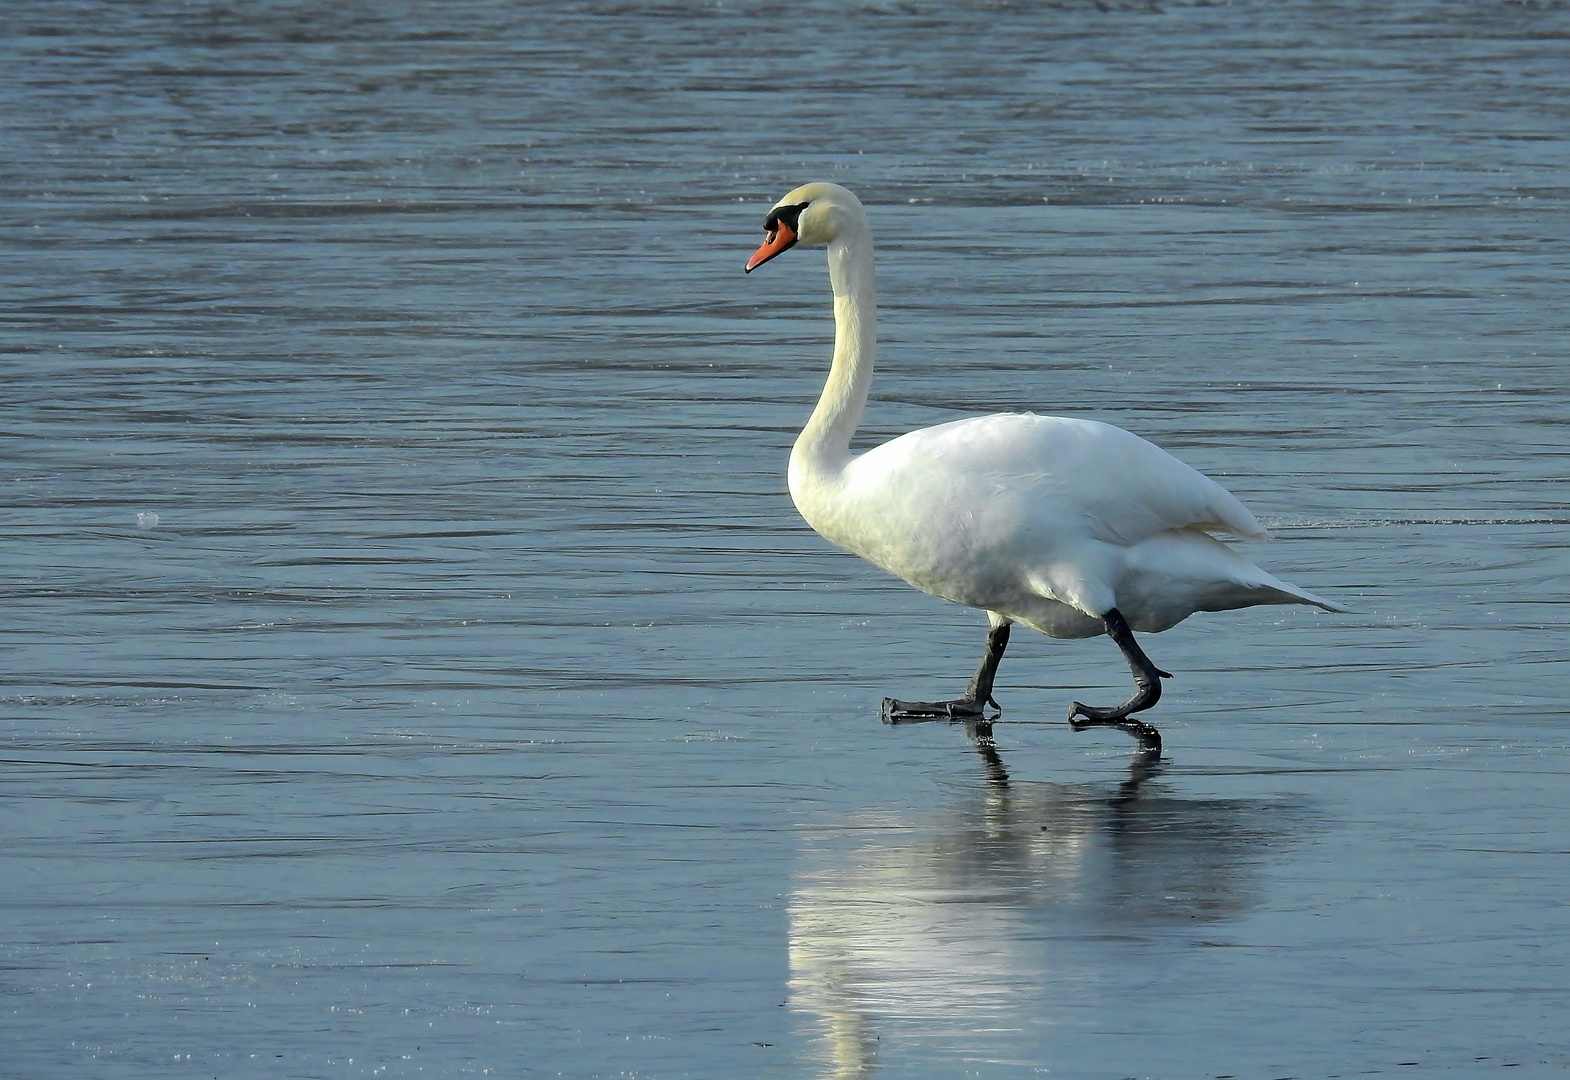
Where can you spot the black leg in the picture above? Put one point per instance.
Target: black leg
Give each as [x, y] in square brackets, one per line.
[1147, 680]
[978, 695]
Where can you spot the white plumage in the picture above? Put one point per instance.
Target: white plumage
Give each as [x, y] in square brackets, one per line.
[1061, 525]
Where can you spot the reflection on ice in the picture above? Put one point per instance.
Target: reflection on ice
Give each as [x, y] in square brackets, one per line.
[950, 925]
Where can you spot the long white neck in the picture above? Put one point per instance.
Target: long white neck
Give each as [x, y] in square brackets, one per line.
[823, 449]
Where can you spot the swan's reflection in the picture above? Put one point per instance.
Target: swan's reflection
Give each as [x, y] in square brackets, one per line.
[946, 925]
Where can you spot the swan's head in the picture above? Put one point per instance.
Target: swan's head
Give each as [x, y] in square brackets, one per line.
[812, 214]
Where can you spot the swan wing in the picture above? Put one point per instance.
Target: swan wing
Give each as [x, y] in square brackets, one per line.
[1093, 478]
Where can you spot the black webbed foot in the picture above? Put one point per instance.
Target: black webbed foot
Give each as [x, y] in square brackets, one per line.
[1147, 682]
[959, 709]
[972, 706]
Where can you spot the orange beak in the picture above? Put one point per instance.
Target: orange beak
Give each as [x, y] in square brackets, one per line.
[781, 238]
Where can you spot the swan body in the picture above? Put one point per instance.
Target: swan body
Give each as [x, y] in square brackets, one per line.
[1065, 526]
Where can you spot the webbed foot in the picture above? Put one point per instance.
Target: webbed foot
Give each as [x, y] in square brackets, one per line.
[959, 709]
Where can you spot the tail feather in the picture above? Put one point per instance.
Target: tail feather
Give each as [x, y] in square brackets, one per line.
[1317, 601]
[1291, 594]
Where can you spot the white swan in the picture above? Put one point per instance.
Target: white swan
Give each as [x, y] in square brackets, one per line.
[1070, 527]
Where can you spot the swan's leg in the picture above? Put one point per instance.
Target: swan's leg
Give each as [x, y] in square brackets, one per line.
[1147, 680]
[978, 695]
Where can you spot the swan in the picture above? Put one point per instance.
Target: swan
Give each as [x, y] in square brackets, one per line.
[1073, 528]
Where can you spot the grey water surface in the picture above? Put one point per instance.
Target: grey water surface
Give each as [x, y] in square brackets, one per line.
[413, 663]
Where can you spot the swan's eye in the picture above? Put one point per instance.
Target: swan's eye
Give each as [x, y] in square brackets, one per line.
[790, 215]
